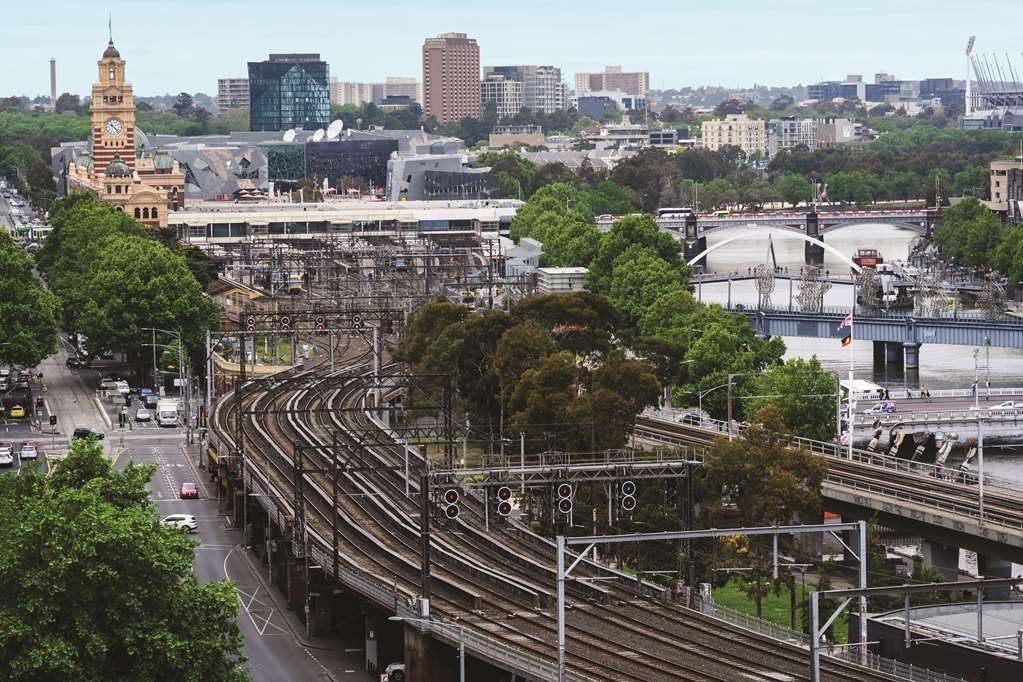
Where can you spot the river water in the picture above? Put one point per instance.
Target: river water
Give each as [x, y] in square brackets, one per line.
[941, 366]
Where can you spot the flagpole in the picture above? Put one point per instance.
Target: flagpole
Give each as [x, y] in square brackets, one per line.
[852, 404]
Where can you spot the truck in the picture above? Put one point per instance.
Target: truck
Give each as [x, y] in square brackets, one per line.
[167, 412]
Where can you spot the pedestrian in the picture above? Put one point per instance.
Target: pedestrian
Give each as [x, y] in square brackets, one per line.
[928, 392]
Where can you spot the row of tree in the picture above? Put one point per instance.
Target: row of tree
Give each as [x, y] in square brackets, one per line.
[974, 235]
[113, 278]
[96, 588]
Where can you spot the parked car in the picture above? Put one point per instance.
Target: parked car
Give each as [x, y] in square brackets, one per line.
[1007, 406]
[185, 522]
[29, 450]
[883, 407]
[143, 415]
[18, 412]
[189, 490]
[83, 432]
[690, 418]
[6, 455]
[395, 672]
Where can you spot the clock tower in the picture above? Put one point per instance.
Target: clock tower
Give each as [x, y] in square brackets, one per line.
[113, 113]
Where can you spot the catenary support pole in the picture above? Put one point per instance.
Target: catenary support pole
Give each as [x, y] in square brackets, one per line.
[560, 549]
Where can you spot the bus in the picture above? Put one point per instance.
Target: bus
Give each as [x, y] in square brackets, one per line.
[674, 212]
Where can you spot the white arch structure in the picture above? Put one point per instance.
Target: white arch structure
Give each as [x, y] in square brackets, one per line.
[781, 233]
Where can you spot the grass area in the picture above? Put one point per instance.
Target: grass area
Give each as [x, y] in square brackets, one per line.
[776, 606]
[264, 349]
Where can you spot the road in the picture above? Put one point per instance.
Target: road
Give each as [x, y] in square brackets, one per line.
[273, 644]
[938, 404]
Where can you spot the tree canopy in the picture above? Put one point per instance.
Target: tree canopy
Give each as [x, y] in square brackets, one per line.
[28, 313]
[97, 589]
[802, 391]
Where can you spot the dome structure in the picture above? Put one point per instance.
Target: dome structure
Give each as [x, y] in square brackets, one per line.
[141, 142]
[111, 51]
[118, 168]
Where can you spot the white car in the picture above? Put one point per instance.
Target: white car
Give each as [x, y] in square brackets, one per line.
[1007, 405]
[395, 672]
[29, 451]
[6, 456]
[143, 415]
[182, 521]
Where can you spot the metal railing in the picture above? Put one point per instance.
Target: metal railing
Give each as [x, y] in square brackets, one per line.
[487, 647]
[851, 655]
[938, 416]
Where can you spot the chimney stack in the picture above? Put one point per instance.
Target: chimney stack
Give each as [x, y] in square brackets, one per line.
[53, 82]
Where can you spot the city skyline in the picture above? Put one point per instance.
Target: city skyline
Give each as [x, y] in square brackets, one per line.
[687, 44]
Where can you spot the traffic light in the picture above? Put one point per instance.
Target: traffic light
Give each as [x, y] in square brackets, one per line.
[53, 420]
[628, 491]
[451, 508]
[39, 402]
[504, 507]
[564, 498]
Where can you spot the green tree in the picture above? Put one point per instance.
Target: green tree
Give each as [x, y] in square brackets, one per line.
[28, 313]
[969, 232]
[184, 104]
[718, 193]
[771, 482]
[803, 393]
[793, 188]
[1007, 257]
[97, 589]
[135, 283]
[855, 187]
[632, 230]
[569, 241]
[582, 323]
[519, 349]
[639, 277]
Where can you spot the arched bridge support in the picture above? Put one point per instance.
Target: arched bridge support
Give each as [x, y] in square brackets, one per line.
[694, 244]
[813, 253]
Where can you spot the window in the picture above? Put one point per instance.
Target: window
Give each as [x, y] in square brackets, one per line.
[117, 190]
[111, 73]
[145, 214]
[138, 213]
[153, 213]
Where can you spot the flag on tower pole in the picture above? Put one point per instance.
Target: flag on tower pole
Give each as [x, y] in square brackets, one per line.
[847, 322]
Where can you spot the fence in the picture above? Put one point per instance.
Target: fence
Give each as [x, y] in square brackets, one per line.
[848, 654]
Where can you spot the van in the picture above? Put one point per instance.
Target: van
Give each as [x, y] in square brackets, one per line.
[122, 387]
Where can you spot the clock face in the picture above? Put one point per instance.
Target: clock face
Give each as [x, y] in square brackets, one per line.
[114, 126]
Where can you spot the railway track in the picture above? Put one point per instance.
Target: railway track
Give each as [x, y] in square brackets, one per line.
[499, 583]
[872, 474]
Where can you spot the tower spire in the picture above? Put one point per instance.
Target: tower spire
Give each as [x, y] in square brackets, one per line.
[110, 27]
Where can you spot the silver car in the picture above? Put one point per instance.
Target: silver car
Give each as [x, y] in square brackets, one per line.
[6, 455]
[29, 451]
[185, 522]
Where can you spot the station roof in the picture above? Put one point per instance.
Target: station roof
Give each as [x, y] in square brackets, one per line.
[957, 624]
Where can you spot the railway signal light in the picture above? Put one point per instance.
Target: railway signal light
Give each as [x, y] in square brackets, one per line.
[357, 322]
[564, 498]
[504, 507]
[250, 325]
[285, 323]
[321, 323]
[628, 491]
[451, 508]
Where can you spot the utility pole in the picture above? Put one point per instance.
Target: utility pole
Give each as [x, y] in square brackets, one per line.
[424, 532]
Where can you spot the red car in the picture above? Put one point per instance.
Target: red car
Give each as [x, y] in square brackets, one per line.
[189, 490]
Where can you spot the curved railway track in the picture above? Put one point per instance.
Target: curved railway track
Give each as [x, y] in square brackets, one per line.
[498, 583]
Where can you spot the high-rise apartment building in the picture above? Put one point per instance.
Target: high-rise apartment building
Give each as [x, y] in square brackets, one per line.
[289, 91]
[737, 130]
[542, 87]
[451, 77]
[504, 92]
[789, 132]
[635, 83]
[347, 92]
[232, 93]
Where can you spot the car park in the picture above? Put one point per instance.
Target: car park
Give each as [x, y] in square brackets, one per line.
[189, 491]
[143, 415]
[185, 522]
[83, 432]
[29, 450]
[6, 455]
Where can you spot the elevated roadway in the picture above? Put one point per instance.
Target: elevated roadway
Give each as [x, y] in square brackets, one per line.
[935, 502]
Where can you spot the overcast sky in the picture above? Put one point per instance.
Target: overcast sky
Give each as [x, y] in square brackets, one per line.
[185, 45]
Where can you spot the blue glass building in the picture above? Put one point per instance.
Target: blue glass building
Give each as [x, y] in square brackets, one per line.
[289, 91]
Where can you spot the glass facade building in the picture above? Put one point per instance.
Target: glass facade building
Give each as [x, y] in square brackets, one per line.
[289, 91]
[337, 159]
